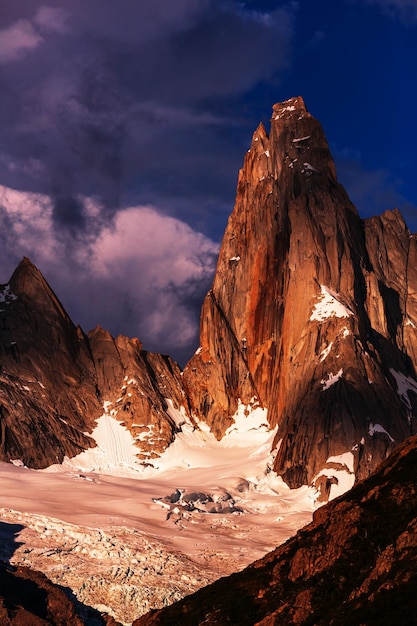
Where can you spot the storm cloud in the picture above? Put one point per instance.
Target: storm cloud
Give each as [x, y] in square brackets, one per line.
[101, 98]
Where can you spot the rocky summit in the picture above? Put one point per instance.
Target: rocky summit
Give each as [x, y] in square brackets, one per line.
[312, 316]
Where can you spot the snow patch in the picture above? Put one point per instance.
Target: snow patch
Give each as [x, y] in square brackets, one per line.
[410, 323]
[287, 108]
[247, 441]
[6, 294]
[331, 379]
[178, 416]
[309, 168]
[266, 153]
[377, 428]
[115, 453]
[329, 305]
[250, 421]
[297, 139]
[405, 384]
[326, 352]
[236, 259]
[342, 475]
[17, 462]
[346, 459]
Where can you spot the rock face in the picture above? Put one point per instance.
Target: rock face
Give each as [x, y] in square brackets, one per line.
[48, 395]
[55, 380]
[312, 311]
[354, 564]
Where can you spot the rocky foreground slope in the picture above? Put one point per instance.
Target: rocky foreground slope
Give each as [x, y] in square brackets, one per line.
[354, 564]
[312, 316]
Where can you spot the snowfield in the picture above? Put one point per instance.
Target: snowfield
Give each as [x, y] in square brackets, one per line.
[126, 539]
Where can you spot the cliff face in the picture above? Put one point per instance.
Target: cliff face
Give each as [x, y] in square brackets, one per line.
[48, 393]
[312, 311]
[354, 564]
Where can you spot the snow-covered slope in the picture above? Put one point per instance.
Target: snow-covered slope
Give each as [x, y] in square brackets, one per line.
[123, 545]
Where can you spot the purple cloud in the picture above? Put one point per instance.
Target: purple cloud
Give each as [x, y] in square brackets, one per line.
[134, 275]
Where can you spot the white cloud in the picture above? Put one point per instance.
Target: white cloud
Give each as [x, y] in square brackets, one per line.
[136, 277]
[173, 249]
[16, 40]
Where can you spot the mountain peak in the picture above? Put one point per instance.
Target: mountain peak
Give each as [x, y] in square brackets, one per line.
[305, 315]
[290, 107]
[28, 281]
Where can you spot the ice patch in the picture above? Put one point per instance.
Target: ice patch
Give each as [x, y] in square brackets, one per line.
[331, 379]
[329, 305]
[377, 428]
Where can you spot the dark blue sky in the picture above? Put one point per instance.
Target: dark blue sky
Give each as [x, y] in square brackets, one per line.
[123, 126]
